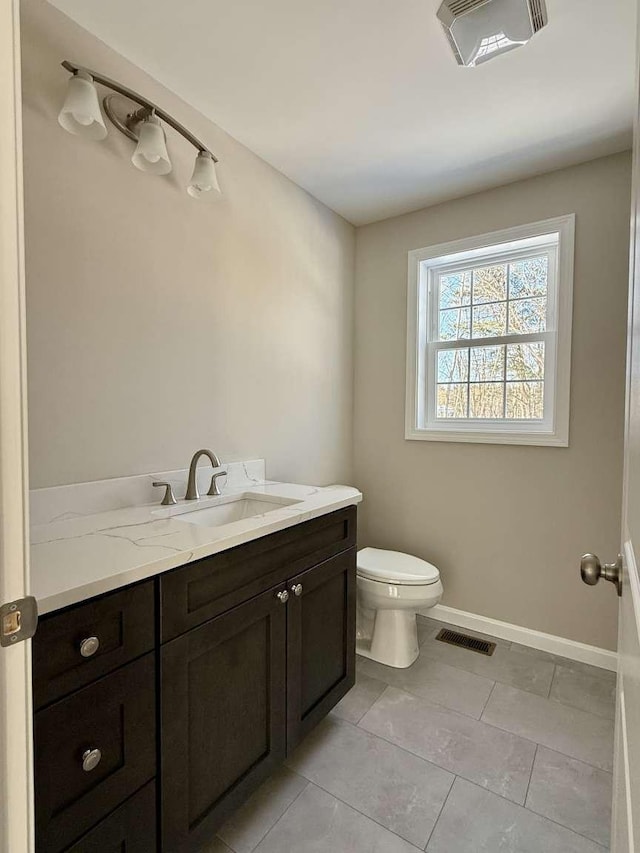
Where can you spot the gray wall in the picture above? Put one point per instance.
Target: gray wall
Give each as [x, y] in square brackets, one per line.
[505, 524]
[158, 324]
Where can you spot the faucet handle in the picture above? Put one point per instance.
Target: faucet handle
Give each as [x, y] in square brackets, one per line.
[214, 489]
[169, 498]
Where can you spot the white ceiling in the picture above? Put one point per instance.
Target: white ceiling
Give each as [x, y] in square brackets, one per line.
[361, 101]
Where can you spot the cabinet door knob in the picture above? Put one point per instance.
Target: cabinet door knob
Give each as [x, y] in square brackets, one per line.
[90, 759]
[296, 589]
[89, 646]
[283, 596]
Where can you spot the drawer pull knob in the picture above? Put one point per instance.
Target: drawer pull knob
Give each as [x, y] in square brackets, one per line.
[89, 646]
[282, 596]
[296, 589]
[90, 759]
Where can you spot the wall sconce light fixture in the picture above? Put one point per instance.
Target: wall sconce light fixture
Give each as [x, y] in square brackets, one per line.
[81, 115]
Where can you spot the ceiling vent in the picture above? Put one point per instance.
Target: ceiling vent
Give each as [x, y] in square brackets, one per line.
[478, 30]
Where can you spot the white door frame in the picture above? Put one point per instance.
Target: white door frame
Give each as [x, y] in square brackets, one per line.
[626, 782]
[16, 758]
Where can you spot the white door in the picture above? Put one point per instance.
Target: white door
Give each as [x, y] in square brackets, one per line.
[626, 790]
[16, 795]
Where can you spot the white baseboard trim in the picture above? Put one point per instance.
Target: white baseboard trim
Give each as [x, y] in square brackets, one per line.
[571, 649]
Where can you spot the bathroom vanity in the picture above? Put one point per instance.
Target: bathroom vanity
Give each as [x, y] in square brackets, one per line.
[161, 705]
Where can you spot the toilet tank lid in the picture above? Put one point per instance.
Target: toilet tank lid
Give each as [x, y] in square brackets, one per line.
[395, 567]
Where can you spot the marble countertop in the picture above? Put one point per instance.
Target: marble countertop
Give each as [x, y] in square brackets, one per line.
[78, 557]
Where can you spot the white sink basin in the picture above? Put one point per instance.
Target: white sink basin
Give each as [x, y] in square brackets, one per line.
[232, 510]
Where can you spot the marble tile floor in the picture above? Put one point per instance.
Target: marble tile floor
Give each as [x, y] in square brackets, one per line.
[460, 753]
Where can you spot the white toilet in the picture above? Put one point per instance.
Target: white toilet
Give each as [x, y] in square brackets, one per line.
[392, 588]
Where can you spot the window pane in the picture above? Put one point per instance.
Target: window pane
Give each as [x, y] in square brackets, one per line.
[455, 324]
[490, 284]
[455, 289]
[528, 278]
[527, 315]
[525, 400]
[453, 365]
[490, 320]
[452, 401]
[525, 361]
[486, 400]
[487, 364]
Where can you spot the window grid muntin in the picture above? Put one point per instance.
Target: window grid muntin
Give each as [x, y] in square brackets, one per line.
[434, 344]
[542, 338]
[437, 273]
[504, 383]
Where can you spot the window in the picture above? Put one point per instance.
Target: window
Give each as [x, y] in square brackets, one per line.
[489, 337]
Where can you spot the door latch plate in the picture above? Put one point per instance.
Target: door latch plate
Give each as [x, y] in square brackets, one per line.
[18, 621]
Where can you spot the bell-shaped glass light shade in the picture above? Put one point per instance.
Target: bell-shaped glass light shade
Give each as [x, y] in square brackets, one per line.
[80, 113]
[204, 176]
[151, 152]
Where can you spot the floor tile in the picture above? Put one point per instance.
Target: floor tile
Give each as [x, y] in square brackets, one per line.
[394, 787]
[560, 727]
[360, 698]
[438, 682]
[559, 659]
[477, 821]
[494, 759]
[216, 846]
[588, 688]
[319, 823]
[539, 654]
[426, 628]
[572, 793]
[245, 829]
[504, 665]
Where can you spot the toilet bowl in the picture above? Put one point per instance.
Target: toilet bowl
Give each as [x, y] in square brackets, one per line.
[392, 588]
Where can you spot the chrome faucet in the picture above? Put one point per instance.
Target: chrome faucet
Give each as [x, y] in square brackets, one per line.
[192, 486]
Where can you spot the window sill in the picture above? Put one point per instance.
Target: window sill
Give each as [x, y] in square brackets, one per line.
[541, 439]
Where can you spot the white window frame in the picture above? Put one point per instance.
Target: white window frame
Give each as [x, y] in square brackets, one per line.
[553, 236]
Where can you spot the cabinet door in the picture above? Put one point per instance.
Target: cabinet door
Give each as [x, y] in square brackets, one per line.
[76, 646]
[93, 750]
[223, 717]
[129, 829]
[193, 594]
[321, 642]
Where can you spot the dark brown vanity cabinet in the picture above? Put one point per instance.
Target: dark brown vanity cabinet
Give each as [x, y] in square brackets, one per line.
[76, 646]
[243, 689]
[95, 739]
[131, 828]
[223, 717]
[321, 637]
[201, 682]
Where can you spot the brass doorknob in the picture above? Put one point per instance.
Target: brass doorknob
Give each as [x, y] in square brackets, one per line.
[591, 570]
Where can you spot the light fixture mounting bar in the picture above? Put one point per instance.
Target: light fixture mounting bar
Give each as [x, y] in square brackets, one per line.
[143, 102]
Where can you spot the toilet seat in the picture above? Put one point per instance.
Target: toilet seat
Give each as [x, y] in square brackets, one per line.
[394, 567]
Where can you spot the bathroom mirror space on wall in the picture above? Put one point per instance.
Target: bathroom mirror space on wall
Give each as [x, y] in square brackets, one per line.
[328, 399]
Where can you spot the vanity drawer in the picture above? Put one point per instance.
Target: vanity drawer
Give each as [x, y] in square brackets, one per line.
[130, 829]
[115, 715]
[65, 656]
[201, 590]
